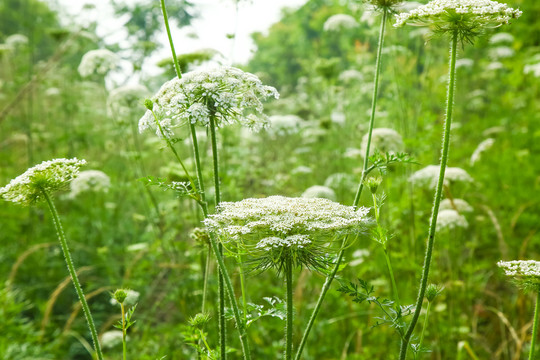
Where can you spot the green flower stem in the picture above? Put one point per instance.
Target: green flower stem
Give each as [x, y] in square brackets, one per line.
[205, 279]
[392, 278]
[365, 171]
[438, 194]
[535, 326]
[243, 287]
[124, 345]
[221, 292]
[169, 36]
[424, 327]
[73, 273]
[290, 310]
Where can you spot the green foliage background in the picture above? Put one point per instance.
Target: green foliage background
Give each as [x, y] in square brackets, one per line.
[304, 62]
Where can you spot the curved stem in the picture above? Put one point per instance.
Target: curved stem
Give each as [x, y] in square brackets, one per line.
[290, 310]
[221, 312]
[535, 326]
[73, 273]
[365, 171]
[169, 36]
[438, 194]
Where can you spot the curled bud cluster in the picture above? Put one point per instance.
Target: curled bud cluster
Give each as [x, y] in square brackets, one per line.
[225, 93]
[49, 176]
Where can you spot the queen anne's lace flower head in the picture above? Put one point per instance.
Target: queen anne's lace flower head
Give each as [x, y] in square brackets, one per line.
[49, 176]
[90, 181]
[277, 228]
[450, 219]
[319, 191]
[429, 176]
[226, 93]
[125, 101]
[501, 38]
[111, 339]
[340, 22]
[280, 125]
[466, 17]
[459, 205]
[383, 140]
[525, 273]
[99, 62]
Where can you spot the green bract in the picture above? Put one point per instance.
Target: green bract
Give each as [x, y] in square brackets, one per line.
[49, 176]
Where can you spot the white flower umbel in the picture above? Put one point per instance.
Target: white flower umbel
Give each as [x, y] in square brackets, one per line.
[450, 219]
[533, 69]
[525, 273]
[49, 176]
[383, 140]
[340, 22]
[111, 339]
[125, 101]
[282, 125]
[428, 176]
[90, 181]
[501, 38]
[226, 93]
[99, 62]
[459, 205]
[467, 17]
[319, 191]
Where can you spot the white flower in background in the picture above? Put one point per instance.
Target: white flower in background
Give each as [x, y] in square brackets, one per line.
[533, 69]
[340, 22]
[302, 170]
[90, 181]
[464, 63]
[501, 52]
[99, 62]
[49, 176]
[351, 77]
[339, 181]
[383, 140]
[226, 93]
[459, 205]
[318, 191]
[494, 66]
[111, 339]
[429, 176]
[353, 153]
[16, 40]
[338, 117]
[462, 15]
[124, 101]
[502, 38]
[525, 273]
[482, 147]
[359, 256]
[282, 125]
[52, 92]
[450, 219]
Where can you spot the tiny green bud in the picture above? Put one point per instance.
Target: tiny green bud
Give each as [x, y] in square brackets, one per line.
[373, 183]
[149, 104]
[120, 295]
[432, 291]
[199, 321]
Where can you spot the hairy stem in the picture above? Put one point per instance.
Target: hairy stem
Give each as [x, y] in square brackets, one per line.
[290, 310]
[221, 312]
[424, 327]
[438, 194]
[334, 271]
[73, 273]
[535, 327]
[124, 345]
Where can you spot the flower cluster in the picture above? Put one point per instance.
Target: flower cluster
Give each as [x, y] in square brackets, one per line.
[319, 191]
[49, 176]
[225, 93]
[459, 205]
[525, 273]
[383, 140]
[276, 229]
[125, 100]
[280, 125]
[90, 181]
[340, 22]
[99, 61]
[450, 219]
[429, 176]
[464, 17]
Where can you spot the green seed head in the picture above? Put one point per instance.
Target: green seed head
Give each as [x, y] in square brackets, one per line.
[149, 104]
[120, 295]
[432, 291]
[373, 183]
[200, 320]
